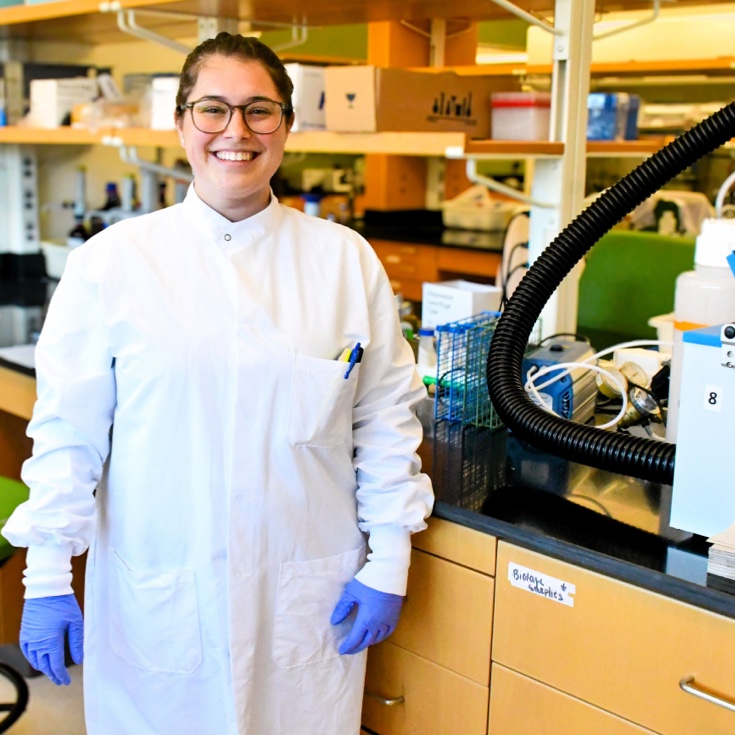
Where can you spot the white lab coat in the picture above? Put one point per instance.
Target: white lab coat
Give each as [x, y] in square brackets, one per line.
[244, 467]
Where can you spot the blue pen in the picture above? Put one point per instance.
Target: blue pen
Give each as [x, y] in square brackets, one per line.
[355, 357]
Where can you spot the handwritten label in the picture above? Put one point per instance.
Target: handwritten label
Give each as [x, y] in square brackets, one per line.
[541, 584]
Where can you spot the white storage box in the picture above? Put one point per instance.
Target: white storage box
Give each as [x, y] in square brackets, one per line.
[664, 326]
[53, 99]
[475, 209]
[449, 301]
[308, 97]
[55, 255]
[163, 101]
[520, 115]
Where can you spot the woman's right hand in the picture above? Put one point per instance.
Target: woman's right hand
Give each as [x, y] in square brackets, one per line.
[44, 626]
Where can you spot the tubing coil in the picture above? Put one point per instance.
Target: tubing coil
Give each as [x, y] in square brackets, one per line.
[643, 458]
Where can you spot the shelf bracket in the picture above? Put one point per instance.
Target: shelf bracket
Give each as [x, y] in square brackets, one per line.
[524, 15]
[129, 154]
[299, 36]
[508, 191]
[129, 26]
[634, 24]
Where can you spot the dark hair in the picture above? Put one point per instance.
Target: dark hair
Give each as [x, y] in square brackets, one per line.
[246, 48]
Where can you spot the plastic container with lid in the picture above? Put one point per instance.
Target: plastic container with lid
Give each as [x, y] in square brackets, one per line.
[426, 362]
[520, 115]
[703, 297]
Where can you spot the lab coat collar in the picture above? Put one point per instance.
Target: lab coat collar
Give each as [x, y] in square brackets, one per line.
[226, 235]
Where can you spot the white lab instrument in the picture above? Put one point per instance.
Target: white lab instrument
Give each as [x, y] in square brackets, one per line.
[704, 296]
[703, 500]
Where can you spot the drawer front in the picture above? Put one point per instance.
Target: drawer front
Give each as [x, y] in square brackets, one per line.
[435, 701]
[522, 706]
[410, 289]
[473, 262]
[457, 543]
[619, 647]
[407, 261]
[17, 393]
[448, 616]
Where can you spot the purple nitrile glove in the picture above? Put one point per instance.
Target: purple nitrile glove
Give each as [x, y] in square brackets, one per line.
[43, 629]
[377, 615]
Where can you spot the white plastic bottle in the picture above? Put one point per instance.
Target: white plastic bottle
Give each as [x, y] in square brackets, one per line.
[704, 296]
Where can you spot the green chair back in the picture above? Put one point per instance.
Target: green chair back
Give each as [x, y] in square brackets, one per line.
[628, 278]
[12, 494]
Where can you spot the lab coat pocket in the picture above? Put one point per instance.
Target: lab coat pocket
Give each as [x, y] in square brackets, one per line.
[320, 413]
[308, 592]
[154, 618]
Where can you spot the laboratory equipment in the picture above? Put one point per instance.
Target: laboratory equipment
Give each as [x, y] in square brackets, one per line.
[19, 227]
[645, 458]
[569, 394]
[704, 296]
[703, 499]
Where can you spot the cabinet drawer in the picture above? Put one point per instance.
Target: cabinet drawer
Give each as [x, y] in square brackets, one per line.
[619, 647]
[522, 706]
[472, 262]
[404, 260]
[457, 543]
[448, 616]
[410, 289]
[436, 701]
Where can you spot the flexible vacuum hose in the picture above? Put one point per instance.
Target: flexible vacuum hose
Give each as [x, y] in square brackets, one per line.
[613, 451]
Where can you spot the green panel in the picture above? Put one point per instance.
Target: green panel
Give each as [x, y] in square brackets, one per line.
[340, 42]
[509, 34]
[630, 277]
[12, 494]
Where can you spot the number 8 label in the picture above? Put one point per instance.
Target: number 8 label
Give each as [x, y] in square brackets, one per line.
[713, 398]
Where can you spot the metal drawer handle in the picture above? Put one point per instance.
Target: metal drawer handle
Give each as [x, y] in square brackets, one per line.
[687, 685]
[384, 700]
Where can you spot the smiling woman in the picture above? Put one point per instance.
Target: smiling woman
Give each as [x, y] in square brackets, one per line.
[233, 157]
[230, 589]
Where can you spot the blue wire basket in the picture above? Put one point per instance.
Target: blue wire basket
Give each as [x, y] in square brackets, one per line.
[461, 378]
[461, 383]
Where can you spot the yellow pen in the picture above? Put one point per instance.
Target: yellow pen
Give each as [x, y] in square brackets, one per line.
[345, 355]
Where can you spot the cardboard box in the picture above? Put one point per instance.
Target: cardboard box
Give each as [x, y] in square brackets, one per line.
[449, 301]
[369, 99]
[52, 100]
[163, 101]
[308, 96]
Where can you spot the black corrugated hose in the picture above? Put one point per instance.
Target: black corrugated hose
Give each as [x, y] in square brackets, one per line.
[614, 451]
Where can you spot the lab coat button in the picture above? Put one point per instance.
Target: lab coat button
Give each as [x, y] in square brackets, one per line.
[228, 237]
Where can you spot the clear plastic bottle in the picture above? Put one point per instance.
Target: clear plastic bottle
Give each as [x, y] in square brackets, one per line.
[704, 296]
[426, 362]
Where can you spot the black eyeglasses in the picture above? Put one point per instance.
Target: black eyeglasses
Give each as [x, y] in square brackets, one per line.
[262, 116]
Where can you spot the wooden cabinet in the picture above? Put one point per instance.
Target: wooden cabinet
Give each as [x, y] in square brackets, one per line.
[432, 676]
[408, 265]
[523, 706]
[617, 647]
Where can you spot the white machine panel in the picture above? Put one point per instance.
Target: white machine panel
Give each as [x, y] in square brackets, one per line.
[703, 500]
[19, 229]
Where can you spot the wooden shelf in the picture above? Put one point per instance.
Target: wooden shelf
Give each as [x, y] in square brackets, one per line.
[453, 145]
[53, 136]
[81, 20]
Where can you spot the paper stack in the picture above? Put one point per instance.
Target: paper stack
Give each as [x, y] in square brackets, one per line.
[721, 562]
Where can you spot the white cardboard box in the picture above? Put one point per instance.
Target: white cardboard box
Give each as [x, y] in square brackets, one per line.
[163, 101]
[53, 99]
[449, 301]
[308, 96]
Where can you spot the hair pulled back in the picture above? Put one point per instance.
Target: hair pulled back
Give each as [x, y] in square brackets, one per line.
[245, 48]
